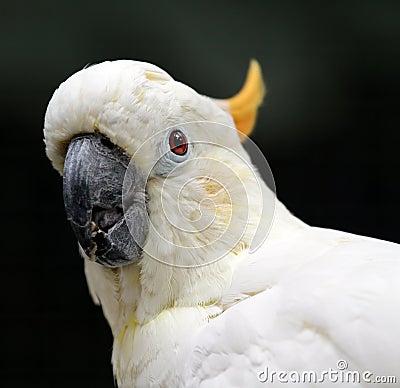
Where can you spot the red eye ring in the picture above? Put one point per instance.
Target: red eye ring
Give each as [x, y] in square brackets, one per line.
[178, 142]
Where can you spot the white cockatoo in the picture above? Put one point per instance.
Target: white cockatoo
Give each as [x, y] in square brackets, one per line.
[205, 278]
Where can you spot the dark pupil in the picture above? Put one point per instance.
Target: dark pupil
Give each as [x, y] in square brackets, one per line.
[178, 140]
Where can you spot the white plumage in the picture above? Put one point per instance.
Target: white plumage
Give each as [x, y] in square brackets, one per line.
[307, 298]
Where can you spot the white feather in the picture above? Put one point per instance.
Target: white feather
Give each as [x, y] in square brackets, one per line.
[306, 299]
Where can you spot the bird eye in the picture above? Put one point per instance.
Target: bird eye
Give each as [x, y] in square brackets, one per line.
[178, 142]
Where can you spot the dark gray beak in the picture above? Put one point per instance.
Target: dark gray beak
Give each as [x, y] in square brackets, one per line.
[94, 173]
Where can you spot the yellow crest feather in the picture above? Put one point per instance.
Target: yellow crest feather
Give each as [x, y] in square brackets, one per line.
[244, 105]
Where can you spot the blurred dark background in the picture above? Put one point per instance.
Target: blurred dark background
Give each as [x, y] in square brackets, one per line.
[329, 129]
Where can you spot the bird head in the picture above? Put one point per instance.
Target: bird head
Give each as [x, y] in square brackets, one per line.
[152, 170]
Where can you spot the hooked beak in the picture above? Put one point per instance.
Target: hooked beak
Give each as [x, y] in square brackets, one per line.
[94, 173]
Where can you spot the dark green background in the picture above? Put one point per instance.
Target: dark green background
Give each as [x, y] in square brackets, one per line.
[329, 129]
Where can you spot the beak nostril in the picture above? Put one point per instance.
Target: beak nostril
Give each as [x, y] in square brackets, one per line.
[105, 219]
[107, 143]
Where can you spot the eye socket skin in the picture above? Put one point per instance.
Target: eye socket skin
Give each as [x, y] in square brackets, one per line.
[178, 142]
[174, 149]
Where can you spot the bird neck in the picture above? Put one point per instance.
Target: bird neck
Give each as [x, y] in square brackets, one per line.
[158, 312]
[140, 348]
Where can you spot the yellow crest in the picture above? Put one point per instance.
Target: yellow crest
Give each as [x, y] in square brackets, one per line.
[244, 105]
